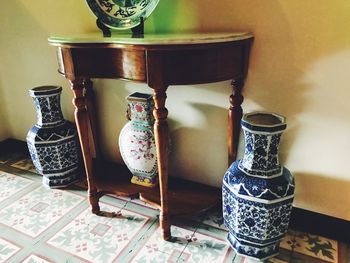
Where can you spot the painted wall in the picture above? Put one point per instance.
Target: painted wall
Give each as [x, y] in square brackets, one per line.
[4, 132]
[299, 68]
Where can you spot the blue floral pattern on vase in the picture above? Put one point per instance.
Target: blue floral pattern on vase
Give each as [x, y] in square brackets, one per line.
[257, 191]
[52, 141]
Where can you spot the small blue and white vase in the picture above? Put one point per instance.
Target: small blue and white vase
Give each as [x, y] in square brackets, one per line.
[257, 191]
[52, 142]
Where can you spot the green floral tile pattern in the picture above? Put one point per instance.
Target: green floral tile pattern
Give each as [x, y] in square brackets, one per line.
[142, 203]
[35, 259]
[25, 164]
[156, 257]
[99, 238]
[12, 184]
[36, 211]
[214, 218]
[313, 246]
[7, 250]
[167, 251]
[204, 247]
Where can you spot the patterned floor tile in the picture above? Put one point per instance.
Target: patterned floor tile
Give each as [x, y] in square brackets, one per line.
[36, 211]
[99, 238]
[124, 198]
[313, 246]
[212, 229]
[157, 249]
[214, 218]
[7, 250]
[241, 259]
[276, 260]
[151, 256]
[25, 164]
[140, 208]
[12, 184]
[33, 258]
[186, 222]
[142, 203]
[128, 231]
[207, 248]
[11, 157]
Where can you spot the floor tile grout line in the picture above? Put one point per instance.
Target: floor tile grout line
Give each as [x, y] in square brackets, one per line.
[135, 243]
[198, 223]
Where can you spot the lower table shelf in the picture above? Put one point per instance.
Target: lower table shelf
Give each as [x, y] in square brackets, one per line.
[184, 197]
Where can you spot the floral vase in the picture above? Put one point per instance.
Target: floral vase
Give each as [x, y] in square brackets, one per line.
[257, 191]
[136, 140]
[52, 141]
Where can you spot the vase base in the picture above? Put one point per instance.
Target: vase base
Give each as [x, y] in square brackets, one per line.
[252, 251]
[55, 183]
[144, 181]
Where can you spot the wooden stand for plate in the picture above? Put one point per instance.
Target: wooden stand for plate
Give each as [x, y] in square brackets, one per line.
[137, 32]
[105, 30]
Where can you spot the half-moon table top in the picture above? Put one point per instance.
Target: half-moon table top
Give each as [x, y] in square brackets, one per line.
[151, 39]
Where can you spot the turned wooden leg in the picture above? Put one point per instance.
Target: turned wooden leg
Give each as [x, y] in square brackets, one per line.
[83, 122]
[234, 119]
[161, 136]
[90, 95]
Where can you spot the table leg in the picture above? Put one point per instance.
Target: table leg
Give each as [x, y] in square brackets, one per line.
[82, 120]
[90, 95]
[234, 118]
[161, 136]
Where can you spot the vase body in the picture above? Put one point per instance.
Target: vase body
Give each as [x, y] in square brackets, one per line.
[136, 140]
[257, 191]
[52, 141]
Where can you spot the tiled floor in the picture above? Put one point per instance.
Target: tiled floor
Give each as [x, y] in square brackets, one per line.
[42, 225]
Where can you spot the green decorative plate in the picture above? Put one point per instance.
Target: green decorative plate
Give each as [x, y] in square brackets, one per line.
[122, 14]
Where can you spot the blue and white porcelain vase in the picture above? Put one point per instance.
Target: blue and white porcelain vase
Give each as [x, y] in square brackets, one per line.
[257, 191]
[52, 141]
[136, 140]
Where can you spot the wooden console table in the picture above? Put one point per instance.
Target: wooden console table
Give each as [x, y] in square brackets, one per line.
[159, 61]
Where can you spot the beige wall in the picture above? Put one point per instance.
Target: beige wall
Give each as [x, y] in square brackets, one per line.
[4, 131]
[299, 68]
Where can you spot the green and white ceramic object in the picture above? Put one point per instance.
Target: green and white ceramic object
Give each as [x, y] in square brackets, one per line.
[136, 140]
[122, 14]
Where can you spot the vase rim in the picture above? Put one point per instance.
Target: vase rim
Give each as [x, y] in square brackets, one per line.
[264, 121]
[138, 96]
[45, 90]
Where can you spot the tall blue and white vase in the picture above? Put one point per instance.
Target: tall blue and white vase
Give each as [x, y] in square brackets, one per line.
[52, 141]
[258, 191]
[136, 140]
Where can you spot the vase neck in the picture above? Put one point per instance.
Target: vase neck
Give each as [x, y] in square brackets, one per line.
[140, 108]
[262, 142]
[48, 105]
[261, 154]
